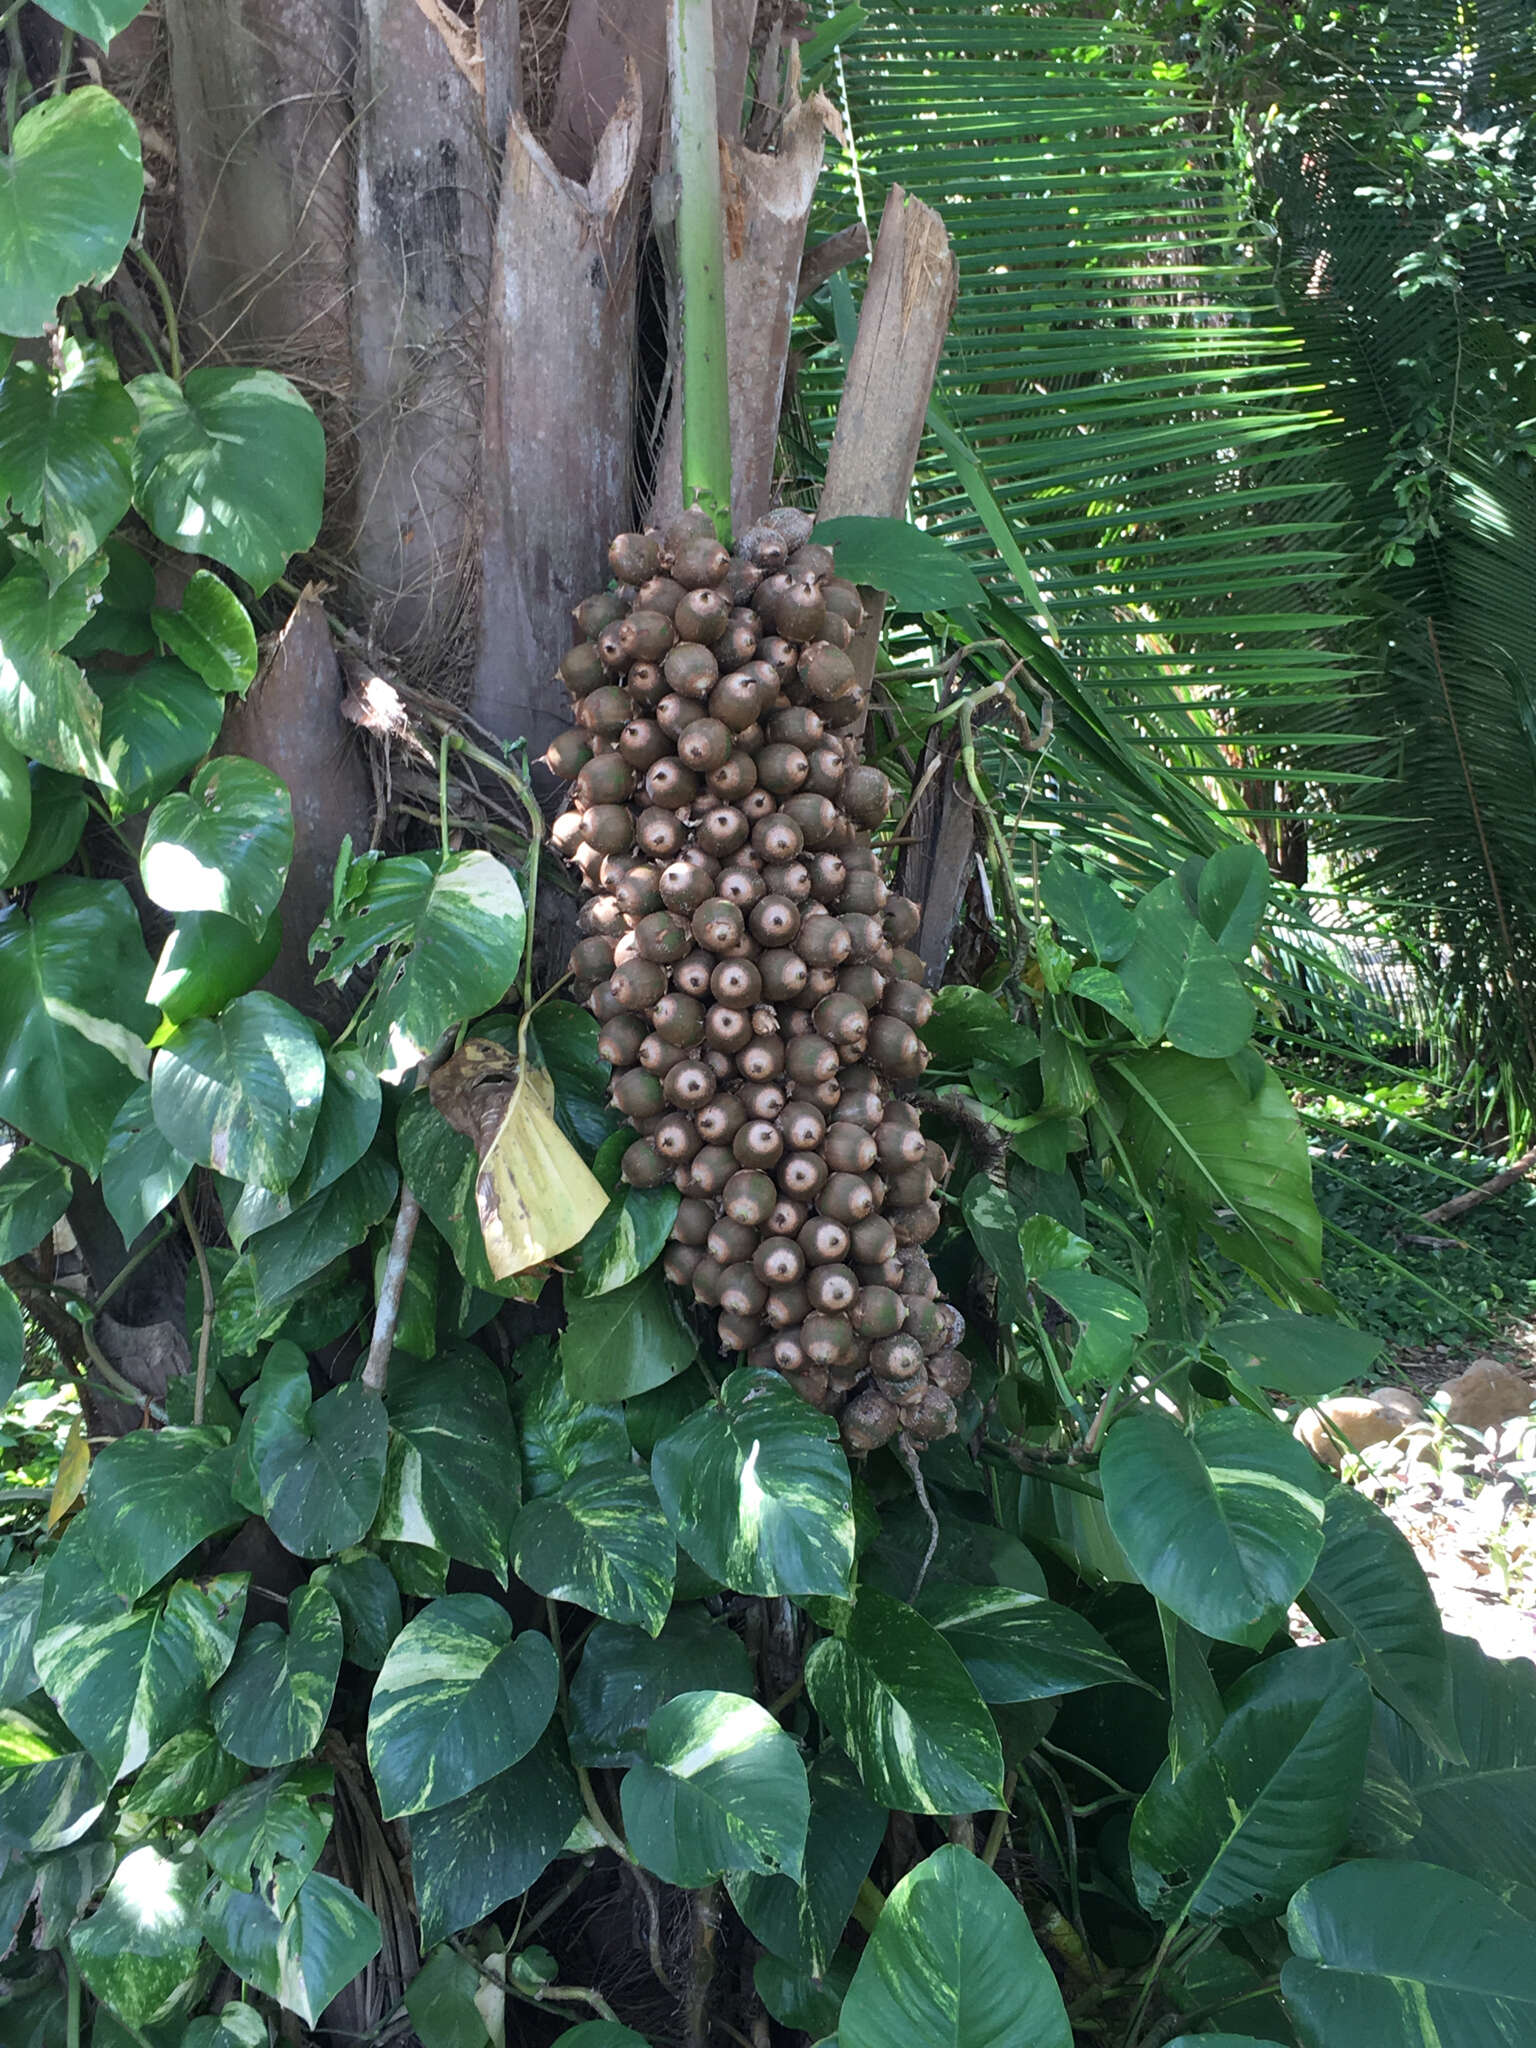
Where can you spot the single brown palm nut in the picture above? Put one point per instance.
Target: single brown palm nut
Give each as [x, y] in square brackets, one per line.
[738, 643]
[950, 1373]
[674, 714]
[827, 672]
[799, 611]
[815, 815]
[804, 1127]
[778, 1261]
[720, 1119]
[568, 753]
[691, 1225]
[717, 925]
[827, 767]
[729, 1241]
[781, 769]
[727, 1029]
[740, 885]
[748, 1196]
[836, 631]
[658, 1056]
[865, 795]
[592, 959]
[643, 1166]
[886, 1274]
[849, 1148]
[824, 942]
[643, 742]
[606, 710]
[736, 699]
[827, 877]
[669, 785]
[702, 616]
[786, 1218]
[909, 1002]
[762, 1058]
[638, 890]
[784, 975]
[680, 1262]
[633, 557]
[788, 1354]
[688, 1085]
[898, 1144]
[824, 1241]
[832, 1289]
[896, 1358]
[895, 1049]
[737, 982]
[597, 611]
[841, 1019]
[741, 1292]
[691, 670]
[905, 965]
[907, 1186]
[710, 1169]
[757, 803]
[638, 984]
[902, 920]
[929, 1324]
[661, 935]
[786, 1307]
[723, 830]
[603, 1003]
[796, 725]
[826, 1340]
[803, 1175]
[658, 594]
[862, 981]
[777, 839]
[842, 597]
[917, 1224]
[878, 1312]
[775, 920]
[582, 668]
[699, 560]
[646, 685]
[646, 636]
[811, 1059]
[676, 1139]
[868, 1421]
[707, 1275]
[690, 977]
[847, 1198]
[793, 880]
[933, 1418]
[758, 1144]
[678, 1019]
[620, 1039]
[864, 892]
[739, 1333]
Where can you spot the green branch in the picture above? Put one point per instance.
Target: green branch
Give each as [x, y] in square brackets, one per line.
[700, 262]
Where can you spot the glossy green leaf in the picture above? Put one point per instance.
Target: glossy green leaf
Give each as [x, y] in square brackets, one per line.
[1019, 1647]
[440, 2000]
[1267, 1805]
[1109, 1320]
[366, 1592]
[452, 1477]
[440, 1168]
[237, 2026]
[1230, 897]
[69, 195]
[127, 1679]
[994, 1223]
[459, 1700]
[808, 2005]
[601, 1542]
[1224, 1525]
[622, 1343]
[344, 1130]
[1476, 1815]
[473, 1854]
[155, 1495]
[757, 1488]
[51, 811]
[1086, 908]
[561, 1434]
[34, 1193]
[1237, 1156]
[208, 960]
[970, 1027]
[141, 1172]
[15, 806]
[271, 1831]
[319, 1464]
[271, 1707]
[722, 1788]
[97, 20]
[917, 571]
[225, 846]
[185, 1776]
[1410, 1953]
[241, 1092]
[72, 974]
[21, 1595]
[49, 1799]
[803, 1923]
[156, 725]
[566, 1038]
[303, 1958]
[1307, 1357]
[141, 1944]
[461, 921]
[287, 1255]
[47, 708]
[211, 632]
[1369, 1589]
[119, 623]
[952, 1963]
[229, 463]
[1181, 985]
[65, 439]
[628, 1237]
[897, 1697]
[601, 2034]
[624, 1676]
[65, 1884]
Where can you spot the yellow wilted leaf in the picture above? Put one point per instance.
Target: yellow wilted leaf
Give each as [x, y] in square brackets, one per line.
[535, 1195]
[74, 1463]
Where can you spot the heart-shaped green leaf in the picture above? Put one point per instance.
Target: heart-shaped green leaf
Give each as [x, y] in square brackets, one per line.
[457, 1702]
[155, 1495]
[21, 1595]
[1018, 1647]
[186, 1776]
[15, 806]
[69, 195]
[803, 1923]
[722, 1788]
[208, 960]
[561, 1434]
[620, 1344]
[1267, 1804]
[952, 1963]
[141, 1944]
[1223, 1525]
[303, 1958]
[472, 1855]
[283, 1257]
[365, 1589]
[624, 1676]
[34, 1193]
[1308, 1357]
[603, 1543]
[1181, 985]
[450, 1483]
[97, 20]
[344, 1130]
[225, 846]
[904, 1707]
[1086, 908]
[918, 571]
[51, 809]
[757, 1488]
[271, 1825]
[318, 1465]
[65, 441]
[47, 708]
[241, 1092]
[141, 1172]
[127, 1679]
[1389, 1952]
[271, 1706]
[73, 970]
[156, 725]
[211, 632]
[229, 463]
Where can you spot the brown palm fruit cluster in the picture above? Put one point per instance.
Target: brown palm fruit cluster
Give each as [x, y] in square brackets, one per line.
[750, 969]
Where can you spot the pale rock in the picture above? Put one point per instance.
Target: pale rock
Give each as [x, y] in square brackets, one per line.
[1360, 1419]
[1486, 1396]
